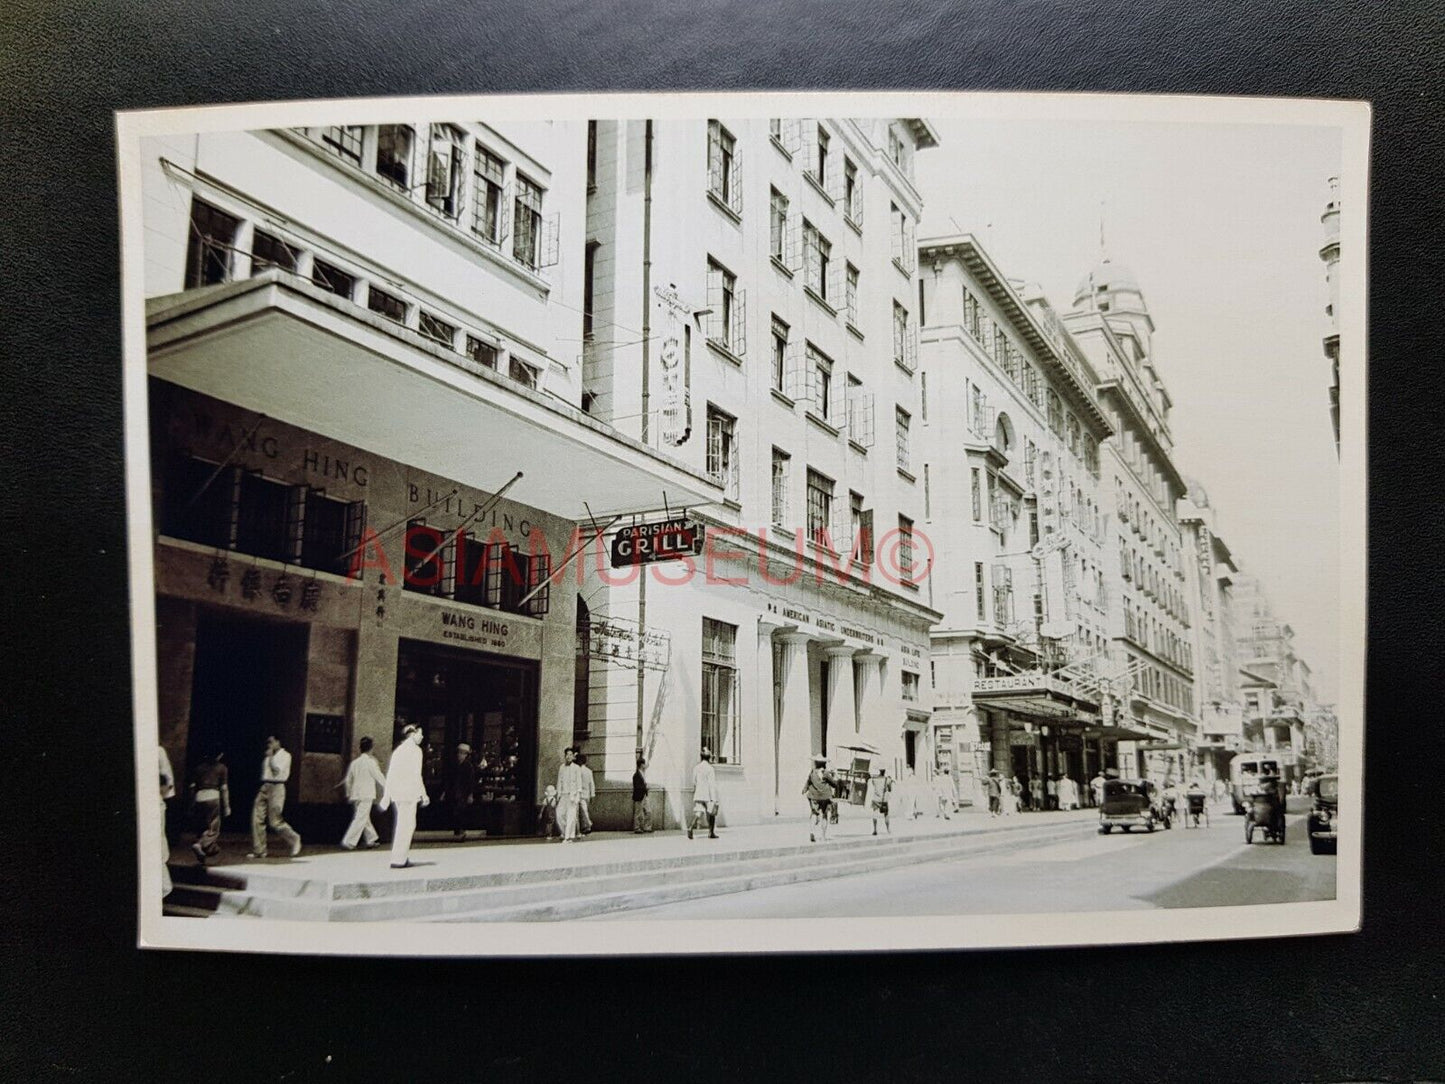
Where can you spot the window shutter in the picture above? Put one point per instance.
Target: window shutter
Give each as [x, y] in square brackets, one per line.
[910, 245]
[835, 282]
[793, 134]
[448, 558]
[896, 235]
[715, 303]
[857, 208]
[438, 169]
[714, 157]
[735, 187]
[866, 410]
[463, 172]
[839, 525]
[504, 216]
[795, 368]
[793, 249]
[295, 521]
[833, 182]
[739, 327]
[714, 449]
[865, 533]
[549, 245]
[539, 571]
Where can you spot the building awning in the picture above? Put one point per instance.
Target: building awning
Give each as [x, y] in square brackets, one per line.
[289, 350]
[1035, 693]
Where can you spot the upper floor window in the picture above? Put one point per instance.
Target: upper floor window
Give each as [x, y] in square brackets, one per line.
[345, 141]
[722, 450]
[527, 223]
[726, 320]
[820, 508]
[905, 347]
[905, 250]
[332, 279]
[522, 373]
[780, 354]
[781, 465]
[820, 389]
[859, 407]
[213, 237]
[900, 152]
[905, 563]
[817, 260]
[724, 180]
[487, 207]
[481, 352]
[385, 304]
[852, 193]
[778, 226]
[850, 296]
[268, 251]
[1072, 426]
[819, 168]
[1056, 413]
[904, 422]
[436, 329]
[393, 153]
[444, 170]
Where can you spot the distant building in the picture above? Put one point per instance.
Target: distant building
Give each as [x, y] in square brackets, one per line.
[1330, 254]
[1209, 582]
[1154, 652]
[1278, 697]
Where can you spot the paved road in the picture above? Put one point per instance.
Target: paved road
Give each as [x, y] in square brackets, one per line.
[1204, 867]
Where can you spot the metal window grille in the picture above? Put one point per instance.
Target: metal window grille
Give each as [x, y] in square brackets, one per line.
[820, 508]
[344, 141]
[393, 154]
[436, 329]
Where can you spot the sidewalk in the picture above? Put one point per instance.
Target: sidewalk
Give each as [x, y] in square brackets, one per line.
[329, 863]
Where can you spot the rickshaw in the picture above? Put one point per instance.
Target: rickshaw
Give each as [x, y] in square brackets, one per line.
[1130, 803]
[1265, 810]
[1196, 805]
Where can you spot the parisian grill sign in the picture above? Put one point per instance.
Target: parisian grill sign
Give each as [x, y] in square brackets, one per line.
[667, 540]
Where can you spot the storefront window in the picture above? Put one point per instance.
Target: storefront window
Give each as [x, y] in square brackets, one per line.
[720, 691]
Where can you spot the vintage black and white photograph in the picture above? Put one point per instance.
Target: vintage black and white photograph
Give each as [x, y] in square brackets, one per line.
[705, 523]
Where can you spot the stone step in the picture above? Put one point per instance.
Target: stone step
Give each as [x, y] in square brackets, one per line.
[544, 892]
[674, 890]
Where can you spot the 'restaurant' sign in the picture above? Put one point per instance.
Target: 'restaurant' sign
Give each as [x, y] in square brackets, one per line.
[644, 543]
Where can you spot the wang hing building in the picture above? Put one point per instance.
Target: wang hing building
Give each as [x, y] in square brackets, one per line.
[751, 309]
[366, 340]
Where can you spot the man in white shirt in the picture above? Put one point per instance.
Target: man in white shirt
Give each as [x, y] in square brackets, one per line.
[364, 784]
[271, 799]
[704, 795]
[405, 787]
[571, 786]
[589, 791]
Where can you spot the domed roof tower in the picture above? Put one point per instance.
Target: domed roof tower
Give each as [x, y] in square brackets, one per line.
[1111, 289]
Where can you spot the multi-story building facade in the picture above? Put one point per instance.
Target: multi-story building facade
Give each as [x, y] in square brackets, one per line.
[1154, 652]
[1209, 585]
[1330, 254]
[368, 452]
[1012, 482]
[750, 308]
[1278, 698]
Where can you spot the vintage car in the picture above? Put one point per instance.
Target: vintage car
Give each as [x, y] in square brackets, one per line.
[1324, 814]
[1130, 803]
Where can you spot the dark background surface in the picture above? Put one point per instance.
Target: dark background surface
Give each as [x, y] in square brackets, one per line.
[80, 1002]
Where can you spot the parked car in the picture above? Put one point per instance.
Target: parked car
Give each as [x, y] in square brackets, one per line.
[1324, 814]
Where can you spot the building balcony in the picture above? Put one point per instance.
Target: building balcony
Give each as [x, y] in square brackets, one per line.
[285, 348]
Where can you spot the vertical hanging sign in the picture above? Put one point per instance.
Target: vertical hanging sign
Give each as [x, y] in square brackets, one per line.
[676, 410]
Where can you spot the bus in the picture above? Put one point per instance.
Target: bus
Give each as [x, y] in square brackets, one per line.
[1244, 771]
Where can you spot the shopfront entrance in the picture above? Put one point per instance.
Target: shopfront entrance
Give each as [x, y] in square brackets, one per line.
[488, 702]
[249, 682]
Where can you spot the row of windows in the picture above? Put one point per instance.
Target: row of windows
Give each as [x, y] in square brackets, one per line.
[461, 568]
[1148, 579]
[1132, 451]
[1165, 687]
[1148, 632]
[1134, 512]
[834, 175]
[214, 256]
[455, 175]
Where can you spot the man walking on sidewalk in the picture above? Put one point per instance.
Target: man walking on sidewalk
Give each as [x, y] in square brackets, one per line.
[461, 790]
[994, 787]
[704, 795]
[1096, 788]
[570, 788]
[271, 800]
[210, 801]
[641, 816]
[879, 787]
[589, 791]
[404, 786]
[364, 783]
[819, 792]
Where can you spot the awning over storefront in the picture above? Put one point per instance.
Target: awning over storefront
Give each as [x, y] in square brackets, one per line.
[286, 349]
[1036, 694]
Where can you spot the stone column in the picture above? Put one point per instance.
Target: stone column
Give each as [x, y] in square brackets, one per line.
[842, 716]
[765, 732]
[870, 707]
[1000, 755]
[795, 733]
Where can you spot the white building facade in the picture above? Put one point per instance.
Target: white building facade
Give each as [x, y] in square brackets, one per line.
[751, 309]
[1014, 507]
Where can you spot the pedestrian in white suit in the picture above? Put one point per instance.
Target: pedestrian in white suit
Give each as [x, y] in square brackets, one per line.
[364, 783]
[405, 788]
